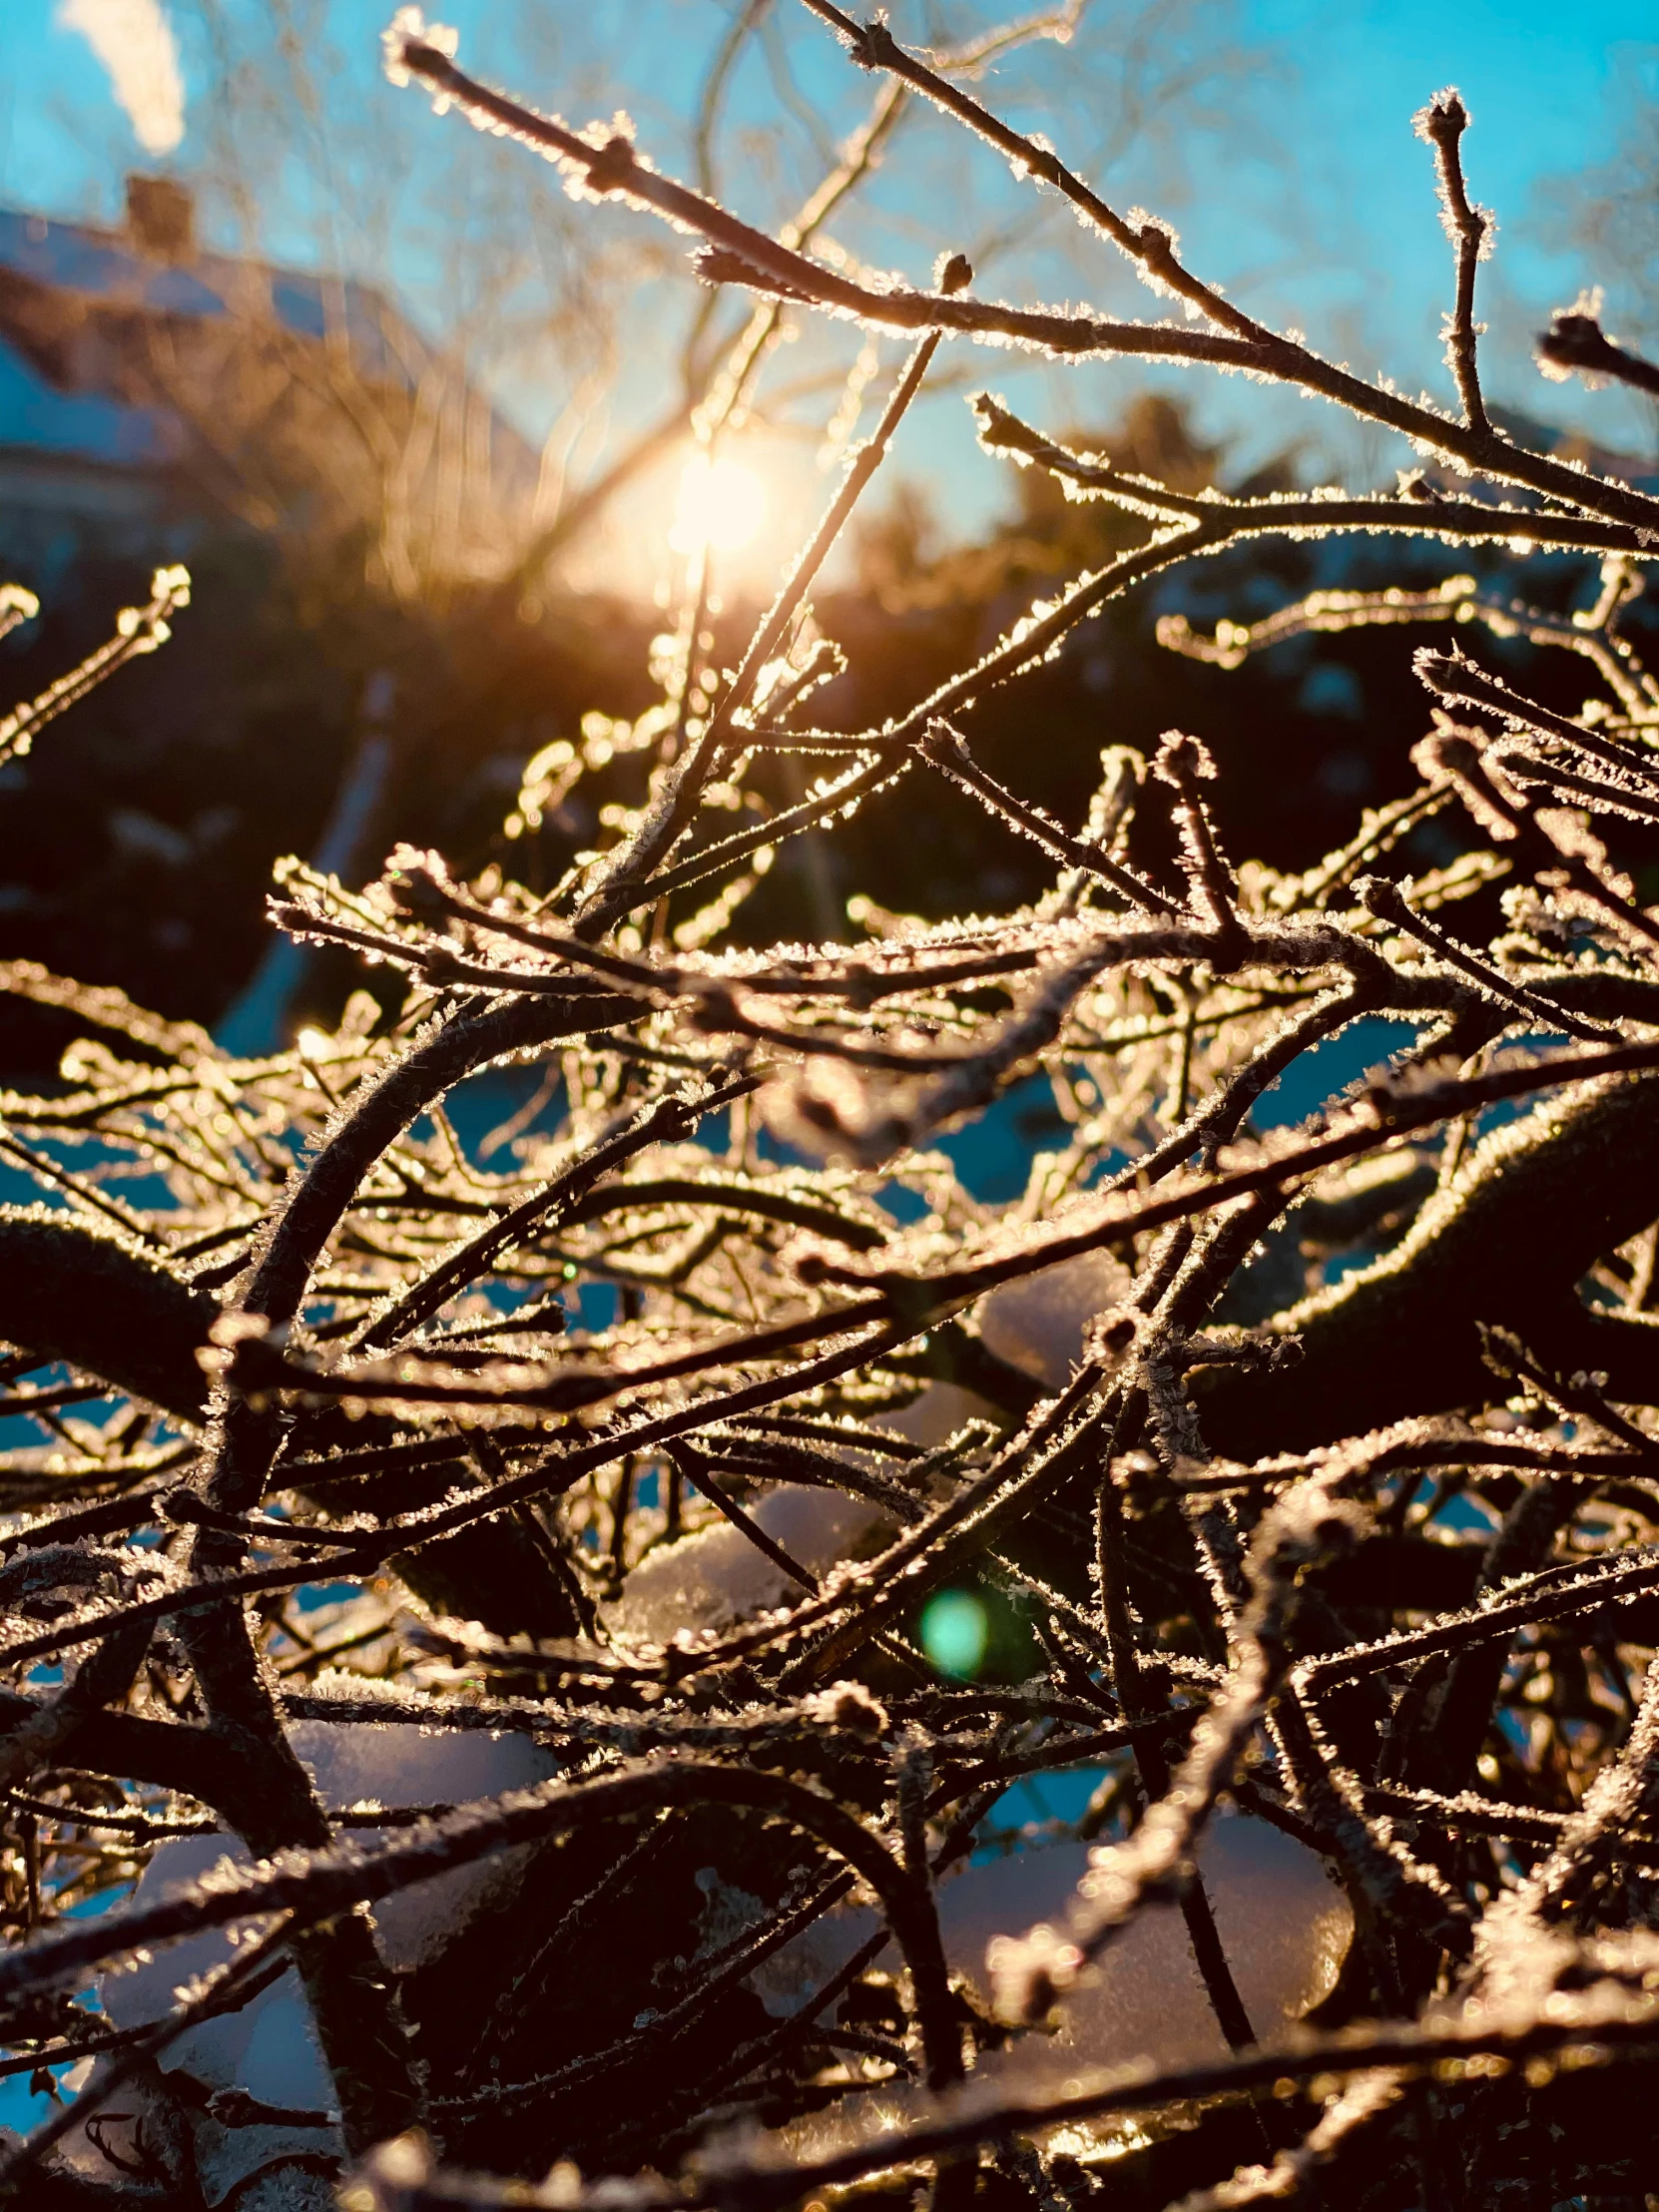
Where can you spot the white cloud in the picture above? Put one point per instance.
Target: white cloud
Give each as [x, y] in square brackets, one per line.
[134, 41]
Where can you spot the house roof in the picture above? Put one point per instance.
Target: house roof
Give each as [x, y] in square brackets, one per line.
[130, 361]
[56, 275]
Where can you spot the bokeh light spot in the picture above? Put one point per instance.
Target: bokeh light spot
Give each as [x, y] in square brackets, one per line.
[955, 1630]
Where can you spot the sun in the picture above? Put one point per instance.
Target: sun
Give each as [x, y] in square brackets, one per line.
[720, 504]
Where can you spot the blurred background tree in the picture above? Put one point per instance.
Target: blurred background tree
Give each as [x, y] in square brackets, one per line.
[385, 392]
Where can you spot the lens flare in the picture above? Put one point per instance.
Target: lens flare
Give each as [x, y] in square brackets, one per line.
[720, 504]
[954, 1631]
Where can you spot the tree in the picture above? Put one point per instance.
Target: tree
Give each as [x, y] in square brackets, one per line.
[354, 438]
[769, 1504]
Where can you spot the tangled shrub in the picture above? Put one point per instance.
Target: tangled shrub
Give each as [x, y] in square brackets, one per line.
[716, 1509]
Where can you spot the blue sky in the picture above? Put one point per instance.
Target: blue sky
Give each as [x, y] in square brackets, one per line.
[1280, 142]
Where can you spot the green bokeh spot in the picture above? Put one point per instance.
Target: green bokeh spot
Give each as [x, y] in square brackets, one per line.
[954, 1629]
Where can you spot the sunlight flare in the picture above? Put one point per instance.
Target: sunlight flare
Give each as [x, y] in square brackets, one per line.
[720, 504]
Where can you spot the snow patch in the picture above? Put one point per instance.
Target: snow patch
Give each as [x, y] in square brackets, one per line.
[718, 1578]
[1285, 1926]
[269, 2048]
[1036, 1324]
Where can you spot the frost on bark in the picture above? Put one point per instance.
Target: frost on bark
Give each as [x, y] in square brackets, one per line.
[718, 1511]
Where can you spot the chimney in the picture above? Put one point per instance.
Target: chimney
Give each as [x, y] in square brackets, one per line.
[161, 218]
